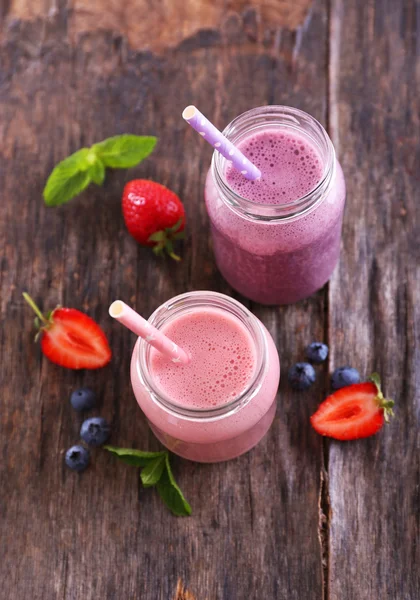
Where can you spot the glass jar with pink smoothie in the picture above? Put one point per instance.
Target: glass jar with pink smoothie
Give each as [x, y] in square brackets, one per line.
[223, 402]
[277, 240]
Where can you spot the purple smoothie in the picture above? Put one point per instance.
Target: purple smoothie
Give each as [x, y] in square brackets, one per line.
[290, 167]
[283, 258]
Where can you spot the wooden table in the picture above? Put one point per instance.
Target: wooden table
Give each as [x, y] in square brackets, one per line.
[299, 517]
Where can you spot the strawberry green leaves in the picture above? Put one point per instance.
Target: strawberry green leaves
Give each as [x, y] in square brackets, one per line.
[384, 403]
[156, 471]
[164, 240]
[73, 175]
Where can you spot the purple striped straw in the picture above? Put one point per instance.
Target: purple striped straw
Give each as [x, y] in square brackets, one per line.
[214, 137]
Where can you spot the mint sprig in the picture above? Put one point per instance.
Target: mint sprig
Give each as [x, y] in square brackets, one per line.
[96, 172]
[73, 174]
[136, 458]
[170, 492]
[152, 473]
[124, 151]
[156, 471]
[68, 179]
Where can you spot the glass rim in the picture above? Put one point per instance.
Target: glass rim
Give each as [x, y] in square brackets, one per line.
[180, 304]
[288, 210]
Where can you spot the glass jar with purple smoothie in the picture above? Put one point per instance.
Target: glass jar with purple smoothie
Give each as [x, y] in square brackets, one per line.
[277, 240]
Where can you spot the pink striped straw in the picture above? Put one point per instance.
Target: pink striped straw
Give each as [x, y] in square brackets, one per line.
[133, 321]
[216, 138]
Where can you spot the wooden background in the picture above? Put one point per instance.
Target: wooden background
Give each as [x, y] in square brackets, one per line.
[298, 518]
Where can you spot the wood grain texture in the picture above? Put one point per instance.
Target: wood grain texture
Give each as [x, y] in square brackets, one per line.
[273, 524]
[254, 529]
[158, 26]
[374, 297]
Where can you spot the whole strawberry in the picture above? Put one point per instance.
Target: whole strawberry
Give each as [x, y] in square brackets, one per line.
[154, 215]
[70, 338]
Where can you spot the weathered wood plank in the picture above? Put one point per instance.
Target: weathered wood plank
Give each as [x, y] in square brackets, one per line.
[254, 531]
[374, 312]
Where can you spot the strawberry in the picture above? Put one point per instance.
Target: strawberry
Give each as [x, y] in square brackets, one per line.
[70, 338]
[353, 412]
[153, 215]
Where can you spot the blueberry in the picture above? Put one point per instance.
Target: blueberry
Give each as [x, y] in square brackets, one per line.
[83, 399]
[344, 376]
[301, 376]
[316, 352]
[95, 431]
[77, 458]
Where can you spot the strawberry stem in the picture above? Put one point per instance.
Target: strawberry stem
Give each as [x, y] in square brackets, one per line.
[383, 403]
[164, 241]
[34, 307]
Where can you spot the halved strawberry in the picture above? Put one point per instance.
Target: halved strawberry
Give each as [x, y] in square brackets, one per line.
[70, 338]
[353, 412]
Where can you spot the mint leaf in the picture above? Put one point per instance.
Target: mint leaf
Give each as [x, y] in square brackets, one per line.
[123, 151]
[136, 458]
[67, 179]
[156, 471]
[97, 171]
[150, 475]
[72, 175]
[170, 492]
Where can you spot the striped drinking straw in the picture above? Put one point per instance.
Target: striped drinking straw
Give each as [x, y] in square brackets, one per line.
[216, 138]
[133, 321]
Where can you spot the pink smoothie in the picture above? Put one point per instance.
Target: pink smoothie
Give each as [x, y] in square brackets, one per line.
[222, 359]
[290, 167]
[230, 383]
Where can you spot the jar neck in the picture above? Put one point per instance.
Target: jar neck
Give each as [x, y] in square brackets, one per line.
[180, 305]
[294, 121]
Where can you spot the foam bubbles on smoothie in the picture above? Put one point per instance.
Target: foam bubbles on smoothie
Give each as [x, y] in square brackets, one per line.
[222, 364]
[289, 164]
